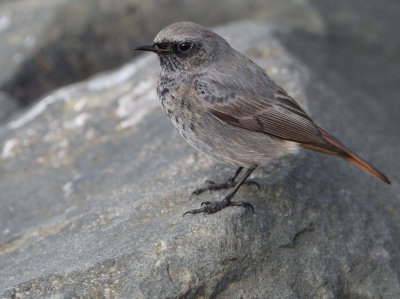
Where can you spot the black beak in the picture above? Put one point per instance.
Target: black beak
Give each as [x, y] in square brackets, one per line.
[148, 47]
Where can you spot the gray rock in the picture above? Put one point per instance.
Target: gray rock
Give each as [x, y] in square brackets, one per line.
[8, 106]
[94, 181]
[48, 44]
[358, 46]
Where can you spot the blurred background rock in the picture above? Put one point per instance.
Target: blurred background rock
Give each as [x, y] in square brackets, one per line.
[50, 43]
[46, 44]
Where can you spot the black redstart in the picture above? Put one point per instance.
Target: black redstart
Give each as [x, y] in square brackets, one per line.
[226, 106]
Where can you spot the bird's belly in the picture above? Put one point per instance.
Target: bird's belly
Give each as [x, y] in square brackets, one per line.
[224, 142]
[233, 145]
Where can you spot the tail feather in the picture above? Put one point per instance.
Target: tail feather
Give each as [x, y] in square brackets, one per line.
[335, 147]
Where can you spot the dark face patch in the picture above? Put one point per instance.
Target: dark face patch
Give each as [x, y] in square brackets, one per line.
[179, 55]
[186, 49]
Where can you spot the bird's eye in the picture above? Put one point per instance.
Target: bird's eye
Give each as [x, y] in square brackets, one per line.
[184, 47]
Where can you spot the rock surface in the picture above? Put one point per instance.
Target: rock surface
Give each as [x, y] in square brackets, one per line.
[47, 44]
[94, 181]
[8, 106]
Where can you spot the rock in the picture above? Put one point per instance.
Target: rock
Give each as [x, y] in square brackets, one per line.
[8, 106]
[358, 45]
[48, 44]
[94, 181]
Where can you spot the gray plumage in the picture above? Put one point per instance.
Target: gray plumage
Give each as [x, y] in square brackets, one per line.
[216, 78]
[226, 106]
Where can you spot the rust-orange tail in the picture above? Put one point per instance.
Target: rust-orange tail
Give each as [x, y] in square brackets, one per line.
[337, 148]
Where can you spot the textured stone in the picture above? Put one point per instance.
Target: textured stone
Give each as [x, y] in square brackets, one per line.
[94, 181]
[51, 43]
[8, 106]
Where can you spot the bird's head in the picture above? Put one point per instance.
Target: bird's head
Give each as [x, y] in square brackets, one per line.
[186, 46]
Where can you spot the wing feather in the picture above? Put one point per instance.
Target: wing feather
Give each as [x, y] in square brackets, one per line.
[256, 104]
[274, 118]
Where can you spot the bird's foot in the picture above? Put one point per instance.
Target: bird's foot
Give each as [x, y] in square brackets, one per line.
[210, 207]
[229, 183]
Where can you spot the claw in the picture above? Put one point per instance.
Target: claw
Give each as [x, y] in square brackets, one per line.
[252, 182]
[211, 207]
[226, 185]
[229, 183]
[199, 191]
[195, 211]
[214, 186]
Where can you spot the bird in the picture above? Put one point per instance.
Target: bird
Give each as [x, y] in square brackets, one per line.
[227, 107]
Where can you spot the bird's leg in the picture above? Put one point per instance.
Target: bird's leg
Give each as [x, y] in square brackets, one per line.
[210, 207]
[229, 183]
